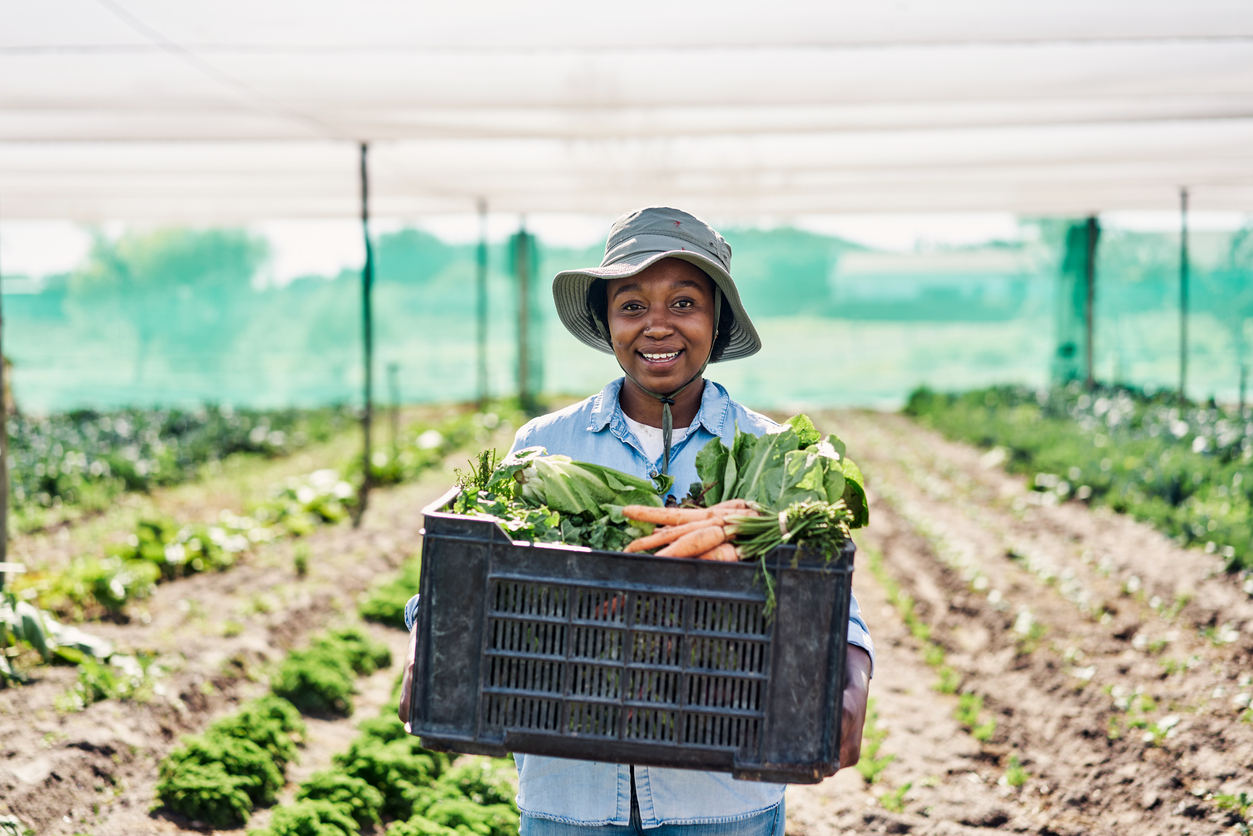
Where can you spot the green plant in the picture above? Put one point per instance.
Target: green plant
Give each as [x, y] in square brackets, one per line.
[12, 826]
[318, 680]
[482, 781]
[300, 559]
[894, 801]
[420, 826]
[1185, 469]
[1015, 775]
[360, 800]
[120, 678]
[206, 792]
[870, 765]
[394, 768]
[311, 818]
[245, 762]
[363, 654]
[385, 602]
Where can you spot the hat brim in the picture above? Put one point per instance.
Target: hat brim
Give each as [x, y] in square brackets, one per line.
[570, 289]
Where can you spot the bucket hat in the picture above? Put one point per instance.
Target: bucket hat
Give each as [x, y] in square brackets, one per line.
[638, 240]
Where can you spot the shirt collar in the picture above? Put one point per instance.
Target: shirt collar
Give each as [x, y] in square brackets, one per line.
[714, 402]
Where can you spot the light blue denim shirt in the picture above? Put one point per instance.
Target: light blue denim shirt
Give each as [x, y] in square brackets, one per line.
[585, 792]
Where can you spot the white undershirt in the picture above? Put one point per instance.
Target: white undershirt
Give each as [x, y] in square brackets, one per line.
[651, 438]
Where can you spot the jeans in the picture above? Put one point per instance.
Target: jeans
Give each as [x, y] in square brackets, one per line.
[767, 823]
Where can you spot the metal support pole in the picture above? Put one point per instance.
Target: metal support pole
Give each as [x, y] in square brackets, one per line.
[522, 265]
[1090, 308]
[367, 335]
[482, 306]
[4, 449]
[393, 385]
[1183, 294]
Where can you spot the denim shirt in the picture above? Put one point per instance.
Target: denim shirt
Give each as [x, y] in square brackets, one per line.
[592, 793]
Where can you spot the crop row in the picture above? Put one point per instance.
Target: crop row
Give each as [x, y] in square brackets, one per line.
[87, 457]
[160, 550]
[1185, 469]
[384, 776]
[220, 776]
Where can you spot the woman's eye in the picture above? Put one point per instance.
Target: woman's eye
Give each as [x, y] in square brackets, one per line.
[683, 303]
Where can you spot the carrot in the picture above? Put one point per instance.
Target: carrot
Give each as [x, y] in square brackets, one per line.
[695, 542]
[665, 516]
[724, 552]
[663, 536]
[730, 503]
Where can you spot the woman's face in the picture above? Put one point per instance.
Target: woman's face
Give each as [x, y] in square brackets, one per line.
[661, 322]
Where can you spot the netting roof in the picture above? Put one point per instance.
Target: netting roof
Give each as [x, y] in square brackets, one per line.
[209, 110]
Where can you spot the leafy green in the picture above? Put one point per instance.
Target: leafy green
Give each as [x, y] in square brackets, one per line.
[553, 499]
[781, 469]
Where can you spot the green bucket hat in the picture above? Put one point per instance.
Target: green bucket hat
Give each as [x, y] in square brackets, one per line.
[636, 241]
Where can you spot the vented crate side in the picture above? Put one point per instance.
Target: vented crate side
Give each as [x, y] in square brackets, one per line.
[570, 652]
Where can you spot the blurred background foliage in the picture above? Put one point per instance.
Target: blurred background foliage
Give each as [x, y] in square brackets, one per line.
[184, 317]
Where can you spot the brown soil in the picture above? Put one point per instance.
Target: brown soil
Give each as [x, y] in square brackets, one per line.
[95, 770]
[963, 540]
[1128, 629]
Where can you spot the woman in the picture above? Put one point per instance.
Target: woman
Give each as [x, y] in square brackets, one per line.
[664, 304]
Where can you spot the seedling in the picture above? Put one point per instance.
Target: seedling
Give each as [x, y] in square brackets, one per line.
[894, 801]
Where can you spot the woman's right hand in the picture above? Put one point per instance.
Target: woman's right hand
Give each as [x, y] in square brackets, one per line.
[406, 679]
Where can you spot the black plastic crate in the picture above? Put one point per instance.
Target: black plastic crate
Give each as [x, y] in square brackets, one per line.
[628, 658]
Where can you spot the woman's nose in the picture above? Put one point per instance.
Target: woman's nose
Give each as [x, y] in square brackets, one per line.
[658, 326]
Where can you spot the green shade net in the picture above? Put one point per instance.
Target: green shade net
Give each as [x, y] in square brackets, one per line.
[180, 317]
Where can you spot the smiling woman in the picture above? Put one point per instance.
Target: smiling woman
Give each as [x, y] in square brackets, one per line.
[664, 304]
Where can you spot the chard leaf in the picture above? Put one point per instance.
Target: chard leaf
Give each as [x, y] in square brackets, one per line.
[711, 467]
[855, 494]
[762, 479]
[802, 479]
[806, 432]
[836, 444]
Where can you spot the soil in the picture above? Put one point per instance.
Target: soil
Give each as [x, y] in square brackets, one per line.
[216, 634]
[1119, 611]
[1115, 665]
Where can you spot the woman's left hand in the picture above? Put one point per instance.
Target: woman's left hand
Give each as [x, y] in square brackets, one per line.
[856, 692]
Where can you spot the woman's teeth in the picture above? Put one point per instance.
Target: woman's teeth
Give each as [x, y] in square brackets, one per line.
[660, 358]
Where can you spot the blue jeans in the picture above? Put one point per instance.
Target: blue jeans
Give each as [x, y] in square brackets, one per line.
[768, 823]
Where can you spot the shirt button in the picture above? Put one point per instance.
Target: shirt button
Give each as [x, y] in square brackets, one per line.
[652, 474]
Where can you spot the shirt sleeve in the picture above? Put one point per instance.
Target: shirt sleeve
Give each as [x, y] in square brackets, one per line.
[858, 633]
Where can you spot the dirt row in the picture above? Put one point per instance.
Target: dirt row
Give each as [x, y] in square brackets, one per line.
[1115, 664]
[217, 635]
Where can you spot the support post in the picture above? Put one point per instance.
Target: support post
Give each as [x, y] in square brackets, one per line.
[393, 385]
[4, 448]
[481, 285]
[367, 336]
[522, 266]
[1183, 294]
[1090, 308]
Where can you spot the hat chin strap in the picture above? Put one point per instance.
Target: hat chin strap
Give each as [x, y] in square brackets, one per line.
[667, 400]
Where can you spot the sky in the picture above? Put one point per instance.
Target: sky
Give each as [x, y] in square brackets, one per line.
[324, 247]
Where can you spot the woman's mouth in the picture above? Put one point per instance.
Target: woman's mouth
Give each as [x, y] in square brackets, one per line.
[659, 359]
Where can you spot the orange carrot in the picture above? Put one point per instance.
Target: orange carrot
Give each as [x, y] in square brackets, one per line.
[663, 536]
[724, 552]
[665, 516]
[730, 503]
[695, 542]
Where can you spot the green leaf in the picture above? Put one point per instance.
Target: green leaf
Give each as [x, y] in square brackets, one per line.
[806, 432]
[762, 479]
[711, 467]
[31, 629]
[855, 495]
[836, 444]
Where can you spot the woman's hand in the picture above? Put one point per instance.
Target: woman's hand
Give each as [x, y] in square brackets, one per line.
[856, 692]
[406, 680]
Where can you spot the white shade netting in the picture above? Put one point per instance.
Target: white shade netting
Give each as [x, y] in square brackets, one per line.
[227, 111]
